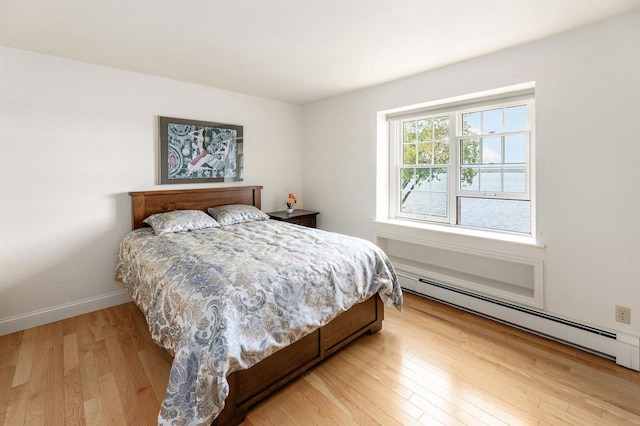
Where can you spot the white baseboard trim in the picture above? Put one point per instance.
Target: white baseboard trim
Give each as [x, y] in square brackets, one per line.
[622, 348]
[60, 312]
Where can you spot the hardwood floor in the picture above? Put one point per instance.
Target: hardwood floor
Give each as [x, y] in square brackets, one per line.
[430, 364]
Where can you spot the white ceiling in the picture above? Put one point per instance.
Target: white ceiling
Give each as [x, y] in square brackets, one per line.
[291, 50]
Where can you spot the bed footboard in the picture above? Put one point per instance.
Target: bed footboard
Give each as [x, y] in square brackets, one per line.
[247, 387]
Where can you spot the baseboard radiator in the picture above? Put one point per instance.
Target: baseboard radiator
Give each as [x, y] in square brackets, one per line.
[622, 348]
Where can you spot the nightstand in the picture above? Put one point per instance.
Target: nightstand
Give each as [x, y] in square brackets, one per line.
[299, 217]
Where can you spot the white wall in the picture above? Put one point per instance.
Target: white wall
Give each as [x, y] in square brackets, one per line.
[75, 138]
[588, 157]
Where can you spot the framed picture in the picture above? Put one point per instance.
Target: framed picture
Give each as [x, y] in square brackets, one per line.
[199, 151]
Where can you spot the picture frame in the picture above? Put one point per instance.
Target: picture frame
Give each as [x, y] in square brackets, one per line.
[193, 151]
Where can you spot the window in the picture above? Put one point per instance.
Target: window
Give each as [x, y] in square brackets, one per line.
[425, 167]
[465, 164]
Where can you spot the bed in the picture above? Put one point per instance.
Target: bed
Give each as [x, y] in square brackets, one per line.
[248, 386]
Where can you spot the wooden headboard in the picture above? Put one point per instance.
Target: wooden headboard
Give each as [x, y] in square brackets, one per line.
[146, 203]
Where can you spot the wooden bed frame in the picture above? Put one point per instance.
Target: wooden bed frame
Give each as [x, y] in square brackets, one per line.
[247, 387]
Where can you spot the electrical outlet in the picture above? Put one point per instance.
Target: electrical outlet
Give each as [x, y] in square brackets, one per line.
[623, 314]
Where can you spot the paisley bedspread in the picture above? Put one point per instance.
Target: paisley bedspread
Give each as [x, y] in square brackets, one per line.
[222, 299]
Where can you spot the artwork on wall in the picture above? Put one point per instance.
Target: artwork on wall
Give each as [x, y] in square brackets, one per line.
[199, 151]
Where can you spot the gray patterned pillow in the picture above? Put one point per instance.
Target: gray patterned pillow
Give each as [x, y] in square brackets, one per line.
[180, 221]
[236, 213]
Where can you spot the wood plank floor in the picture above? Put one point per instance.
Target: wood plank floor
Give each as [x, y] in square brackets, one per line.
[430, 364]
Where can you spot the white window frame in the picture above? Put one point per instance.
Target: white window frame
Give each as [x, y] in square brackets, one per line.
[454, 111]
[399, 132]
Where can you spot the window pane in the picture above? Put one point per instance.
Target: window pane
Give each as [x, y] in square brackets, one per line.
[407, 178]
[501, 215]
[409, 129]
[441, 128]
[441, 153]
[425, 130]
[409, 154]
[439, 180]
[422, 203]
[514, 179]
[425, 153]
[492, 120]
[469, 179]
[516, 118]
[439, 204]
[472, 124]
[470, 151]
[514, 149]
[423, 178]
[492, 150]
[407, 203]
[491, 179]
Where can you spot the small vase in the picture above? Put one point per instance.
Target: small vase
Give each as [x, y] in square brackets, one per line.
[289, 211]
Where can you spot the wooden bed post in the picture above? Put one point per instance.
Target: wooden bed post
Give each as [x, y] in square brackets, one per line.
[137, 205]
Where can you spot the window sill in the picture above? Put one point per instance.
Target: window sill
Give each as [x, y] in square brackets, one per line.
[460, 239]
[466, 232]
[466, 258]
